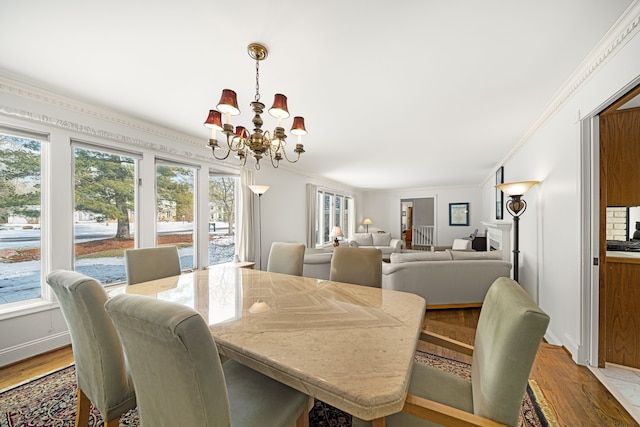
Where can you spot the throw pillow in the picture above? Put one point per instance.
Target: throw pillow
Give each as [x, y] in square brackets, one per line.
[397, 258]
[362, 239]
[476, 255]
[381, 239]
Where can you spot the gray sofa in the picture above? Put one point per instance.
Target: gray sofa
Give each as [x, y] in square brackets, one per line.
[445, 279]
[382, 241]
[317, 263]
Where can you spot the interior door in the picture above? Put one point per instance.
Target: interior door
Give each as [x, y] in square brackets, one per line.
[619, 316]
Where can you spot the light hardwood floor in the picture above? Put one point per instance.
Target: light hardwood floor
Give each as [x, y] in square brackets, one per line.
[573, 393]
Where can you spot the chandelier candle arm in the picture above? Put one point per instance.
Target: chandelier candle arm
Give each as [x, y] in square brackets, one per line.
[259, 143]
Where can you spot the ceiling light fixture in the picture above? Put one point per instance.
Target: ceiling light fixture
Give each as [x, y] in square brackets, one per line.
[260, 143]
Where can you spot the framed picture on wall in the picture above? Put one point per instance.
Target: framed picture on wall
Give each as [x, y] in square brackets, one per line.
[458, 213]
[499, 194]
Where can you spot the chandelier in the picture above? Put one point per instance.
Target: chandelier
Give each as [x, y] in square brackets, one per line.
[260, 143]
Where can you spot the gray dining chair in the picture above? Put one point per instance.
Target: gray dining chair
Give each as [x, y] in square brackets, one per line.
[510, 329]
[101, 371]
[146, 264]
[180, 380]
[286, 258]
[361, 266]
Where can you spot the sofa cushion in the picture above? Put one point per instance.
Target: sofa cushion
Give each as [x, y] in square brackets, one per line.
[461, 245]
[381, 239]
[476, 255]
[420, 256]
[362, 239]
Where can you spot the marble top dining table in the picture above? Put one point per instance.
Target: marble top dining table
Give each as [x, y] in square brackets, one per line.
[350, 346]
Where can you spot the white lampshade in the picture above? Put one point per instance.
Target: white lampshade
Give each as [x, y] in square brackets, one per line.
[516, 188]
[367, 221]
[259, 189]
[337, 231]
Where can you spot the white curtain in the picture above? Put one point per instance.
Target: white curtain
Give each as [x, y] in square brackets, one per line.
[245, 213]
[312, 212]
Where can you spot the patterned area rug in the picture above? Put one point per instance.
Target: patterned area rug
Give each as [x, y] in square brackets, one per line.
[51, 401]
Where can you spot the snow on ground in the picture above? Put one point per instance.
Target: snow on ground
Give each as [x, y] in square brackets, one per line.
[20, 281]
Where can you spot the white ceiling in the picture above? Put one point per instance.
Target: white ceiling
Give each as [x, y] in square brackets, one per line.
[411, 93]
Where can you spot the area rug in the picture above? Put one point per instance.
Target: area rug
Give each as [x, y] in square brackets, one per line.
[50, 401]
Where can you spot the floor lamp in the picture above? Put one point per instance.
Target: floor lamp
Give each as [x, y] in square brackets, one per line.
[516, 207]
[259, 190]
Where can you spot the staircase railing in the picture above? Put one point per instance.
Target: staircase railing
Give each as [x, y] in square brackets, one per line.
[422, 235]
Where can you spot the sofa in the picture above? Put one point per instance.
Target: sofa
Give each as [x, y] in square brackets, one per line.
[445, 279]
[317, 263]
[382, 241]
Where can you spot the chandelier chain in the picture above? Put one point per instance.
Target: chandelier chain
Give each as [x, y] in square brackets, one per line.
[257, 97]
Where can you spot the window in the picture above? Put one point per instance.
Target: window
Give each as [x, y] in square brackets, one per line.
[20, 205]
[334, 210]
[104, 212]
[175, 208]
[222, 218]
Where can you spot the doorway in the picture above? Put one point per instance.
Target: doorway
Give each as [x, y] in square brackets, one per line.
[619, 275]
[417, 222]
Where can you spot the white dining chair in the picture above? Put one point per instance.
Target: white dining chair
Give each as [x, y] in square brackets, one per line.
[179, 378]
[361, 266]
[146, 264]
[286, 258]
[101, 371]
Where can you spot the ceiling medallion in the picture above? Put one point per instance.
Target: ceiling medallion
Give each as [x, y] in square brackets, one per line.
[260, 143]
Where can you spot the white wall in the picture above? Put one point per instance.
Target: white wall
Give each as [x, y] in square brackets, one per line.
[284, 205]
[550, 230]
[384, 209]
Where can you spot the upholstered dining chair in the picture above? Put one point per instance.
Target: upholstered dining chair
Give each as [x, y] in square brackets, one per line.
[146, 264]
[510, 329]
[101, 371]
[180, 380]
[286, 258]
[362, 266]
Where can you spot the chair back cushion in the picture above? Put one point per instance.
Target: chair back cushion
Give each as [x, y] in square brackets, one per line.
[100, 364]
[286, 258]
[508, 335]
[361, 266]
[381, 239]
[174, 363]
[146, 264]
[362, 239]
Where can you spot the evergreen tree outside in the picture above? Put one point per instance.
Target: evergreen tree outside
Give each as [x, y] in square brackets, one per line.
[104, 186]
[19, 178]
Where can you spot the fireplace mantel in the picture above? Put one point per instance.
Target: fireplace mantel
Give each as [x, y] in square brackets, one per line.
[499, 237]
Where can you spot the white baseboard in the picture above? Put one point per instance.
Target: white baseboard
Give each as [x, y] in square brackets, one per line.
[33, 348]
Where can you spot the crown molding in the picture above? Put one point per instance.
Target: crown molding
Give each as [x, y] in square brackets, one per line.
[58, 100]
[620, 33]
[23, 90]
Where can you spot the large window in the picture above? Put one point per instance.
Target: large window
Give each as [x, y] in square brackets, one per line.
[175, 203]
[334, 210]
[104, 212]
[20, 201]
[222, 218]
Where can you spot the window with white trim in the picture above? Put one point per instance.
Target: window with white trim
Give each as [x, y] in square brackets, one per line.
[334, 210]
